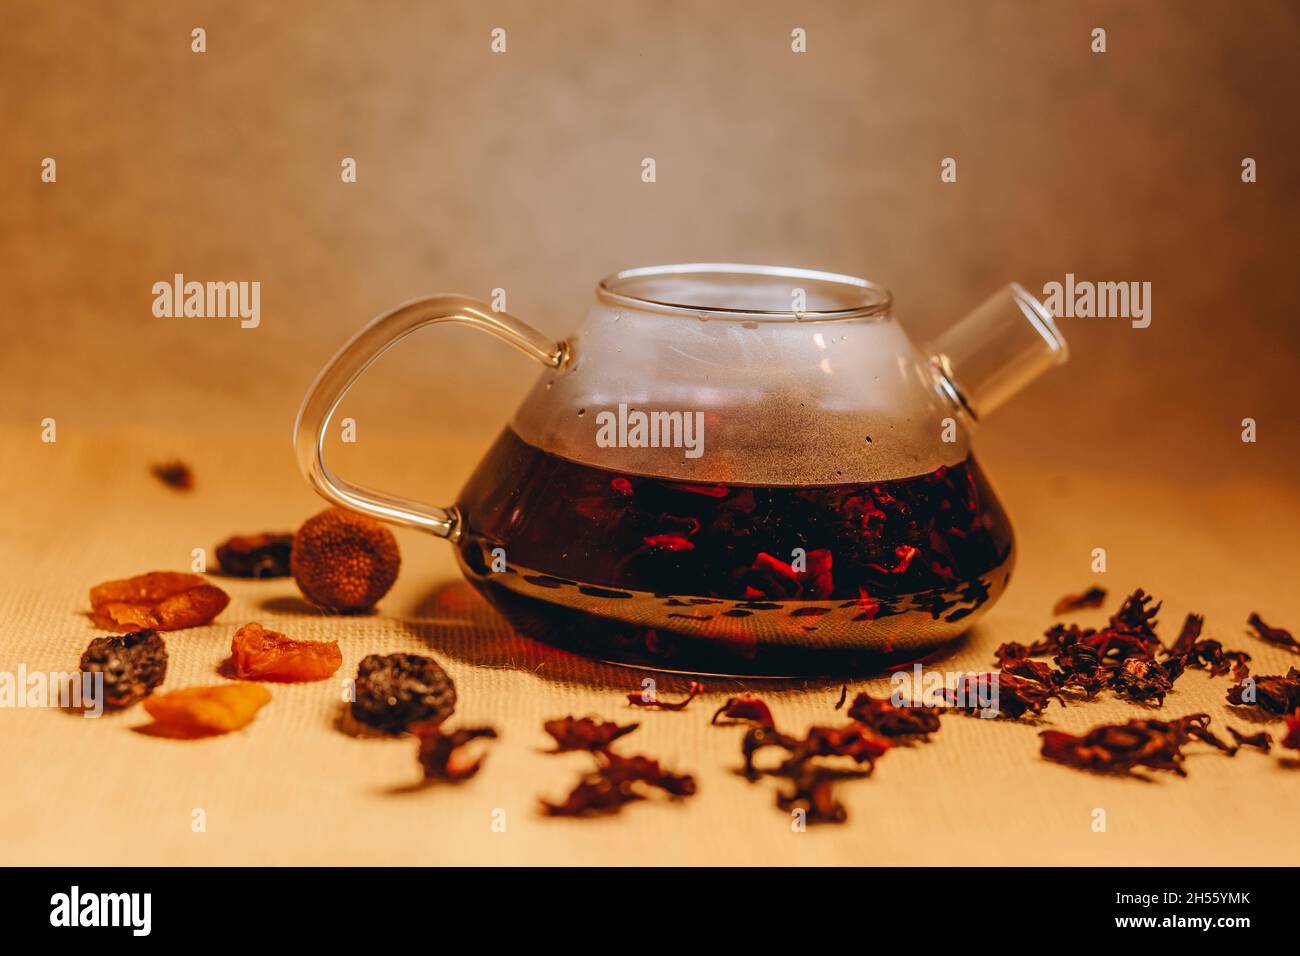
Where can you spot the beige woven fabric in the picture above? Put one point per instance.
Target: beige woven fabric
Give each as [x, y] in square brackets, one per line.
[294, 788]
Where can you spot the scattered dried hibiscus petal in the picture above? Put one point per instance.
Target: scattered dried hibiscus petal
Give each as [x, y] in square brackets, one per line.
[1292, 738]
[159, 600]
[259, 654]
[1008, 695]
[1260, 741]
[132, 664]
[1272, 635]
[206, 711]
[1121, 748]
[585, 733]
[814, 794]
[890, 720]
[746, 708]
[1093, 597]
[650, 699]
[812, 782]
[854, 741]
[615, 779]
[595, 794]
[256, 555]
[174, 474]
[1142, 679]
[1207, 654]
[1273, 693]
[441, 753]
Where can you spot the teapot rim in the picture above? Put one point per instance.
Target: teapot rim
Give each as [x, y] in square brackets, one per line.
[875, 299]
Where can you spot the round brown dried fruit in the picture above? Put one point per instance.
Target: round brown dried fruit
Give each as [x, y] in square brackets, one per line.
[256, 555]
[394, 691]
[132, 664]
[344, 561]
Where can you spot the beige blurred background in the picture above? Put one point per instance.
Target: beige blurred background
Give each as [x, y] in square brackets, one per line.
[522, 171]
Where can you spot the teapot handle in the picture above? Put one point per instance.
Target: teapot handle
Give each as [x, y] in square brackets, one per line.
[355, 357]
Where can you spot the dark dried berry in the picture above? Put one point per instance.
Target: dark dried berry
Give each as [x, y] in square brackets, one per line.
[132, 664]
[394, 691]
[256, 555]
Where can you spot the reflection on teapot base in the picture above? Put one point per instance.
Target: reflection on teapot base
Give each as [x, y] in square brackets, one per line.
[735, 638]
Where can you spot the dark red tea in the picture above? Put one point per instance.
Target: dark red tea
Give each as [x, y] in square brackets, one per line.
[731, 579]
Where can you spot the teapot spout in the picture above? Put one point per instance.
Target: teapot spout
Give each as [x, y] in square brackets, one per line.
[996, 350]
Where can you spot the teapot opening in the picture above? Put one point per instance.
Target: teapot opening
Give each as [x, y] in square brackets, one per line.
[745, 292]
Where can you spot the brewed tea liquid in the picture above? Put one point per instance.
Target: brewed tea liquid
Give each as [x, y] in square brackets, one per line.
[732, 578]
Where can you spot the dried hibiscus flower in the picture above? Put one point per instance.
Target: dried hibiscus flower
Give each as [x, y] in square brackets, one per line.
[1292, 738]
[1207, 654]
[206, 711]
[159, 600]
[1093, 597]
[1142, 679]
[259, 654]
[1005, 694]
[616, 780]
[745, 709]
[1121, 748]
[441, 754]
[855, 741]
[256, 555]
[1274, 694]
[812, 782]
[1123, 656]
[585, 733]
[814, 794]
[649, 699]
[894, 721]
[1261, 741]
[1273, 635]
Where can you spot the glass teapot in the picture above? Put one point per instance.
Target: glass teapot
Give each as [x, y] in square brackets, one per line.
[728, 469]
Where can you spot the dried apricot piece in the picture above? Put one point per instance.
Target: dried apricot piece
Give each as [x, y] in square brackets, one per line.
[259, 654]
[159, 600]
[205, 711]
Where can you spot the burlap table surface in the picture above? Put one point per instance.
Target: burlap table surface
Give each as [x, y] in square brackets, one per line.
[293, 788]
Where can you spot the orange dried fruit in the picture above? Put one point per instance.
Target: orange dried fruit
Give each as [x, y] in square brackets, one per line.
[159, 600]
[259, 654]
[344, 561]
[205, 711]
